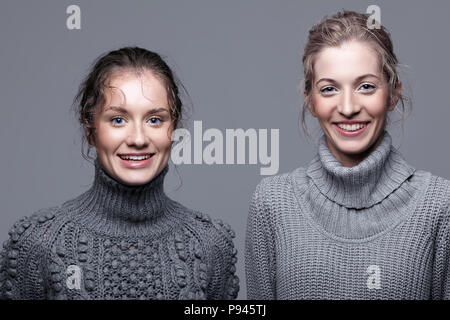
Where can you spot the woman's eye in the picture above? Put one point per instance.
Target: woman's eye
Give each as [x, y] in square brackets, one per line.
[154, 121]
[117, 121]
[367, 87]
[327, 90]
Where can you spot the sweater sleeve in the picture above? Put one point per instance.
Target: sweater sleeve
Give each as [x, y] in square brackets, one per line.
[441, 267]
[21, 264]
[224, 284]
[259, 251]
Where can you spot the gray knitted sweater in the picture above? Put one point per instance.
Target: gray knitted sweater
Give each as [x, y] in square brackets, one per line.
[119, 242]
[379, 230]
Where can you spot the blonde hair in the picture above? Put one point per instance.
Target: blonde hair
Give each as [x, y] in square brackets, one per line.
[344, 27]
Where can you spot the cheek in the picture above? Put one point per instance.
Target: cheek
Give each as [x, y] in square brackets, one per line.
[162, 140]
[107, 139]
[323, 107]
[376, 106]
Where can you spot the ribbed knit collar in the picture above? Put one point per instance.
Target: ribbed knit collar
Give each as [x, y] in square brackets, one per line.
[115, 200]
[358, 203]
[363, 185]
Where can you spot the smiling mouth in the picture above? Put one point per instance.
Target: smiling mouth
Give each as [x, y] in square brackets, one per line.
[352, 127]
[136, 158]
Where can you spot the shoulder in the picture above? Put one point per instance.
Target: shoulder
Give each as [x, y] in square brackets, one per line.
[436, 206]
[215, 229]
[437, 189]
[215, 234]
[203, 225]
[435, 198]
[276, 181]
[33, 226]
[28, 235]
[280, 188]
[221, 256]
[23, 252]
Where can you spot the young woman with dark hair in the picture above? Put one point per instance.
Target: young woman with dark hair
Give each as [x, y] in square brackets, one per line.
[124, 238]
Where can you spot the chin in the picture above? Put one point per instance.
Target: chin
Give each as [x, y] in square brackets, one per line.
[135, 182]
[135, 178]
[352, 148]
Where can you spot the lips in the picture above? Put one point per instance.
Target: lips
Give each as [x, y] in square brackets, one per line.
[351, 129]
[351, 126]
[136, 160]
[135, 156]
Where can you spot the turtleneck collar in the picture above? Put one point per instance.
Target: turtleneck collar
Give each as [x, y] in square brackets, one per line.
[363, 185]
[116, 200]
[359, 203]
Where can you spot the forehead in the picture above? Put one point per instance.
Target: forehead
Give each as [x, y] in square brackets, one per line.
[132, 88]
[346, 62]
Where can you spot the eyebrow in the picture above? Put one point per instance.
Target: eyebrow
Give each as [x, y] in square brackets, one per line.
[356, 80]
[124, 111]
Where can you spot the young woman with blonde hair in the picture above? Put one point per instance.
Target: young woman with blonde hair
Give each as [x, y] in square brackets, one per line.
[358, 222]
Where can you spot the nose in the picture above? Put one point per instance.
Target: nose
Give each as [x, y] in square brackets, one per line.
[347, 106]
[137, 137]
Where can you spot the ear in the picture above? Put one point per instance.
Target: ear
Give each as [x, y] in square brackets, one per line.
[170, 131]
[309, 105]
[89, 135]
[395, 96]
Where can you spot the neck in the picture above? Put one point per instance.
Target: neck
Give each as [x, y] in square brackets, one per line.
[362, 201]
[351, 160]
[115, 200]
[364, 184]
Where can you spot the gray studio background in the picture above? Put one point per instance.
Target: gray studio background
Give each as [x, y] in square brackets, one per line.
[241, 64]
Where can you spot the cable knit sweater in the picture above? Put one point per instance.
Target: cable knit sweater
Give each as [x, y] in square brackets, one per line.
[378, 230]
[119, 242]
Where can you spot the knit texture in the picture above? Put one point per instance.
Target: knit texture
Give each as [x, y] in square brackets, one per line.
[378, 230]
[119, 242]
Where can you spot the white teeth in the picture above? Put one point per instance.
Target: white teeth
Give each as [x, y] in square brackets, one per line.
[135, 158]
[351, 127]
